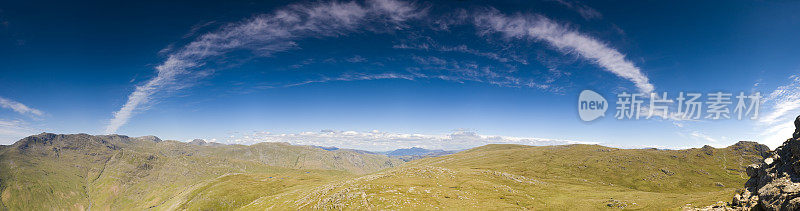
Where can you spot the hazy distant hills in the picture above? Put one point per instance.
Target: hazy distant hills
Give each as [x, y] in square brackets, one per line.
[201, 142]
[51, 171]
[407, 154]
[416, 153]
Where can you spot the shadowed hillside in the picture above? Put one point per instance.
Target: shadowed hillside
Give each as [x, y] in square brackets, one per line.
[109, 172]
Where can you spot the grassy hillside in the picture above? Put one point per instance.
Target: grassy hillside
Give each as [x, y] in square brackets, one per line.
[50, 171]
[552, 177]
[80, 171]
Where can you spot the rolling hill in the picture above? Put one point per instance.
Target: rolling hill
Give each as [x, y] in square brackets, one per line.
[551, 177]
[50, 171]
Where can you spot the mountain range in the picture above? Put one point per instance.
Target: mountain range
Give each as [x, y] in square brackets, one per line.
[116, 172]
[414, 153]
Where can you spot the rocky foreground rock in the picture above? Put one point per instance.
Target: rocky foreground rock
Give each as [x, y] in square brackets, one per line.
[774, 184]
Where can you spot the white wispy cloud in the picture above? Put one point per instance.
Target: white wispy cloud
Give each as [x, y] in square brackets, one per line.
[19, 107]
[584, 10]
[382, 141]
[356, 77]
[465, 70]
[356, 59]
[431, 45]
[783, 99]
[14, 128]
[699, 135]
[280, 30]
[265, 35]
[780, 108]
[540, 28]
[711, 140]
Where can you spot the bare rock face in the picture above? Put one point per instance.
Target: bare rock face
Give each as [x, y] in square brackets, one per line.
[774, 184]
[149, 138]
[796, 134]
[198, 142]
[201, 142]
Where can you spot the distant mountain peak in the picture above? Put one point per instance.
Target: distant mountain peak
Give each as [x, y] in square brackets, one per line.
[149, 138]
[201, 142]
[413, 153]
[198, 142]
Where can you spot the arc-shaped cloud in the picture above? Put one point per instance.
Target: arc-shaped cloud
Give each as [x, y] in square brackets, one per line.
[280, 30]
[267, 34]
[541, 28]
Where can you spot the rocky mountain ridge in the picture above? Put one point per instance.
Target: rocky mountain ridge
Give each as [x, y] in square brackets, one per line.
[115, 172]
[774, 184]
[80, 171]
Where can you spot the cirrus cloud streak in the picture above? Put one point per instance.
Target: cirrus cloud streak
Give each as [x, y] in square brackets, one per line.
[265, 35]
[537, 27]
[282, 30]
[19, 107]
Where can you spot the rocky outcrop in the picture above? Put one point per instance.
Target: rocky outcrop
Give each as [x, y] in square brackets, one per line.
[198, 142]
[751, 148]
[774, 184]
[796, 134]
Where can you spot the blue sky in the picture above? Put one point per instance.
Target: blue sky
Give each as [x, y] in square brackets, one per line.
[385, 74]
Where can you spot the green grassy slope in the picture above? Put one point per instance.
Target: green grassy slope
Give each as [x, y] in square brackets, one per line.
[50, 171]
[552, 177]
[79, 172]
